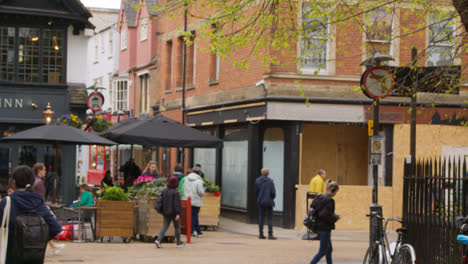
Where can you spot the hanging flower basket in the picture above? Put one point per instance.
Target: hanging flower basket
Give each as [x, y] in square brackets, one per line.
[71, 120]
[100, 123]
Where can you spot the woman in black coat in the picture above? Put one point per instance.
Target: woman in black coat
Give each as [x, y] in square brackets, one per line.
[326, 218]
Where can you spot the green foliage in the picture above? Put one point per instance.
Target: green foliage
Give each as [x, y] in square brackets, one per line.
[152, 188]
[210, 186]
[115, 194]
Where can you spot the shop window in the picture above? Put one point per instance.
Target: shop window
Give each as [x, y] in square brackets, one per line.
[234, 168]
[273, 159]
[379, 26]
[442, 30]
[206, 157]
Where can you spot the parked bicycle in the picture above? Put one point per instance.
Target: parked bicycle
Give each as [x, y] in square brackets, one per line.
[462, 223]
[382, 252]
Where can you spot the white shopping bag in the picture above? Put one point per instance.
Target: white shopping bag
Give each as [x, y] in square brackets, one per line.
[4, 231]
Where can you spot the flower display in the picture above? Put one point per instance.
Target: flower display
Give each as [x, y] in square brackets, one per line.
[210, 186]
[71, 120]
[147, 186]
[100, 123]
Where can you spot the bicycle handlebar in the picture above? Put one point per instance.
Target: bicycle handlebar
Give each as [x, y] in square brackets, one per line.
[385, 219]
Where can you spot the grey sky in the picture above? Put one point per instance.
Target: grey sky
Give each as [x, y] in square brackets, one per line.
[102, 3]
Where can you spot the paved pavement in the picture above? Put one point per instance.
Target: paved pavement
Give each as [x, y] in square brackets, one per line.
[234, 242]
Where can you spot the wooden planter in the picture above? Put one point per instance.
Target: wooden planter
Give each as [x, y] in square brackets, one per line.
[115, 218]
[209, 213]
[150, 221]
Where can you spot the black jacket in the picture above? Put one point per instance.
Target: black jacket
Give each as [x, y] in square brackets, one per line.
[21, 201]
[265, 191]
[171, 204]
[326, 216]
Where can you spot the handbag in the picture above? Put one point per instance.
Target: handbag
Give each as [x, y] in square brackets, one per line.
[4, 231]
[158, 204]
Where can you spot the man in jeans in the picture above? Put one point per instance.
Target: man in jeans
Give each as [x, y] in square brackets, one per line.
[265, 193]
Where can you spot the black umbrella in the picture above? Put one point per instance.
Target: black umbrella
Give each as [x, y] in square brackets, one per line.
[58, 134]
[160, 131]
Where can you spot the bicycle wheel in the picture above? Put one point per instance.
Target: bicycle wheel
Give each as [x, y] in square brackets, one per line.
[405, 254]
[374, 255]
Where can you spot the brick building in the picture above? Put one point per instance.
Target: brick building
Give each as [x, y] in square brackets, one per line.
[271, 126]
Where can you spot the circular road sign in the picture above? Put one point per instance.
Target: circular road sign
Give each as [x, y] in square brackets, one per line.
[378, 82]
[95, 101]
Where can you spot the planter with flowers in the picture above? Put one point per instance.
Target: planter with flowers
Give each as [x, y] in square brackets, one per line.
[210, 211]
[71, 120]
[145, 191]
[115, 215]
[100, 123]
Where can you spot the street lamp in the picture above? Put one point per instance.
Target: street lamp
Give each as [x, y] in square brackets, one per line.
[48, 114]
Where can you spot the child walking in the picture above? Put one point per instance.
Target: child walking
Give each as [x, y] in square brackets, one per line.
[171, 210]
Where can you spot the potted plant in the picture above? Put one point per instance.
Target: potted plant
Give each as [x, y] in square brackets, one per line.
[210, 211]
[115, 215]
[100, 123]
[145, 191]
[71, 120]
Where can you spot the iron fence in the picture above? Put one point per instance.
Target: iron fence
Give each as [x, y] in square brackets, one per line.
[435, 192]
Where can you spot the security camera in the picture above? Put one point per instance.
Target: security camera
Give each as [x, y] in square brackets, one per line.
[260, 83]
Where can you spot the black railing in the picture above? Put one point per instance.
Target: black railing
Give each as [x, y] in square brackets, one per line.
[435, 192]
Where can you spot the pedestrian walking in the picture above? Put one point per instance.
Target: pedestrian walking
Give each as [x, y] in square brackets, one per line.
[23, 200]
[171, 210]
[193, 188]
[266, 194]
[317, 184]
[326, 218]
[40, 172]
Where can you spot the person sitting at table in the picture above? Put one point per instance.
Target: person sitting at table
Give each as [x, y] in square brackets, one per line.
[107, 179]
[86, 198]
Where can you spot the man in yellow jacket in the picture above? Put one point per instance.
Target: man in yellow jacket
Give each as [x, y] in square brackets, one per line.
[317, 184]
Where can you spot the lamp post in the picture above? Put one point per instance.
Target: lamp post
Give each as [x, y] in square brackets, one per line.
[48, 114]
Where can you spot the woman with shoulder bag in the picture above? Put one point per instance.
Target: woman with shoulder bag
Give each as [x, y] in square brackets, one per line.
[326, 218]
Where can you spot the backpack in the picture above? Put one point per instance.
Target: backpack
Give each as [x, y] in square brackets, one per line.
[310, 221]
[158, 205]
[30, 238]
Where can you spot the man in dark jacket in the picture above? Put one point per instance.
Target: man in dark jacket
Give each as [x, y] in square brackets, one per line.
[131, 171]
[265, 193]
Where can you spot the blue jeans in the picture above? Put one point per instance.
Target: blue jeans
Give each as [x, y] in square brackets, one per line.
[326, 247]
[195, 223]
[261, 216]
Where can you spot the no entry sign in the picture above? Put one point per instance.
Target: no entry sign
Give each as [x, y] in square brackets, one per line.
[95, 101]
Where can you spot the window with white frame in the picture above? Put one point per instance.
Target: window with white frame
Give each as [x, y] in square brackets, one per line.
[110, 46]
[123, 39]
[144, 29]
[96, 49]
[442, 30]
[379, 27]
[103, 43]
[145, 93]
[119, 95]
[315, 42]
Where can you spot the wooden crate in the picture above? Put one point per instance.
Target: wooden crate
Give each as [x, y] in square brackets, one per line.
[150, 221]
[115, 218]
[209, 213]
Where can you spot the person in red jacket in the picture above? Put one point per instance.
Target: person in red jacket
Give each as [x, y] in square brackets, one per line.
[326, 218]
